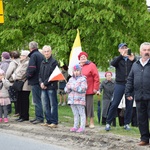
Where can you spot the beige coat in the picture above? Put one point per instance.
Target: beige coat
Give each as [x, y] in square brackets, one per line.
[20, 74]
[4, 89]
[12, 67]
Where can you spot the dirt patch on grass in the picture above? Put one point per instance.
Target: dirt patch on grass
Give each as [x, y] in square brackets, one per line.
[92, 139]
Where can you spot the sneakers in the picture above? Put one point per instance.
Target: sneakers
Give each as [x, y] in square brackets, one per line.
[107, 128]
[127, 127]
[59, 104]
[80, 130]
[77, 130]
[63, 104]
[5, 120]
[73, 129]
[1, 120]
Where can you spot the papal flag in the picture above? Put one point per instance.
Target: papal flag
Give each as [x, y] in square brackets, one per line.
[76, 49]
[56, 75]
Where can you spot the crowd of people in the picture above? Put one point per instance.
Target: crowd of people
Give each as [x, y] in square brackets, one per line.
[31, 70]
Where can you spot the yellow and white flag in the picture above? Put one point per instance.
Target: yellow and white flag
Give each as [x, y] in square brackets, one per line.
[76, 49]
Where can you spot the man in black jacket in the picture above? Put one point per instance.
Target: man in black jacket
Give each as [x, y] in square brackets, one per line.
[33, 79]
[139, 82]
[49, 88]
[122, 64]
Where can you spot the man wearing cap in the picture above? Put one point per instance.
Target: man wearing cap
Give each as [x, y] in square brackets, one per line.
[122, 64]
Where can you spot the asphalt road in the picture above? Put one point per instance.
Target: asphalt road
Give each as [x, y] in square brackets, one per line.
[13, 142]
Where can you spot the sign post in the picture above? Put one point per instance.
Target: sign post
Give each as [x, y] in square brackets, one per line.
[1, 12]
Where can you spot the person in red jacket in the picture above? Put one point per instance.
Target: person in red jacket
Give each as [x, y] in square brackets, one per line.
[90, 70]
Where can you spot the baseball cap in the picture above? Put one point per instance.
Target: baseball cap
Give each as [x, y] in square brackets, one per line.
[121, 45]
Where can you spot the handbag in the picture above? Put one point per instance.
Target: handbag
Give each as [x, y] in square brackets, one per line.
[121, 114]
[13, 94]
[18, 85]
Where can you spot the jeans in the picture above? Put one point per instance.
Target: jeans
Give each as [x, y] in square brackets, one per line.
[50, 105]
[118, 94]
[36, 95]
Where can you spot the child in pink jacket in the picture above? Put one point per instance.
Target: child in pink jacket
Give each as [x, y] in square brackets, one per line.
[76, 89]
[4, 97]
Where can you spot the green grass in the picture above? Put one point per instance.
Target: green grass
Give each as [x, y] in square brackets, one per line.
[66, 118]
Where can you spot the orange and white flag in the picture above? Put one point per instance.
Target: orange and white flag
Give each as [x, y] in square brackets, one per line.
[56, 75]
[76, 49]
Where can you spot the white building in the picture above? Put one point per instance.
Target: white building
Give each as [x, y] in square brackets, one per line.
[148, 5]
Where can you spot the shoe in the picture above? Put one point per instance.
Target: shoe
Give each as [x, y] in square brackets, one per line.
[143, 143]
[63, 104]
[92, 126]
[73, 129]
[86, 125]
[37, 121]
[52, 125]
[32, 120]
[5, 120]
[15, 115]
[59, 104]
[1, 120]
[107, 128]
[17, 119]
[45, 124]
[21, 120]
[80, 130]
[127, 127]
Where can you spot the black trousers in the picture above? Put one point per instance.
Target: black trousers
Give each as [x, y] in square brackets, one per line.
[143, 114]
[23, 104]
[134, 122]
[120, 117]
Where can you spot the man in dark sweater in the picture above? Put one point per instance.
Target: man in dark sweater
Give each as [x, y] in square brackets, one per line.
[49, 88]
[122, 64]
[33, 79]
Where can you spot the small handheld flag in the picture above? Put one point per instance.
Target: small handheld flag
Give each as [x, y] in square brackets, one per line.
[56, 75]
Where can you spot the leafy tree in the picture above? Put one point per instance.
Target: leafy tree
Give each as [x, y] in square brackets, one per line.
[103, 24]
